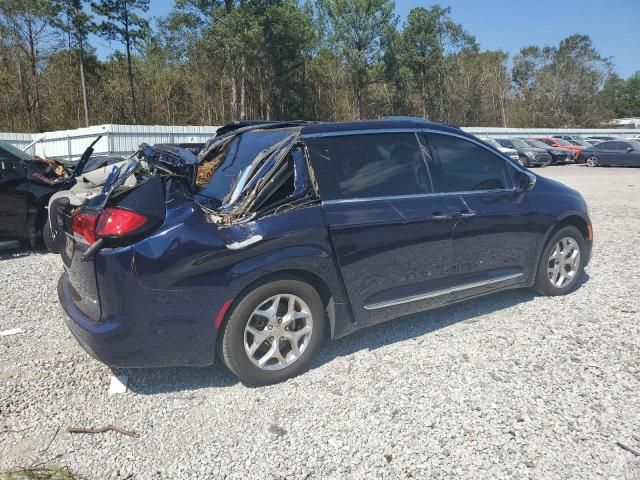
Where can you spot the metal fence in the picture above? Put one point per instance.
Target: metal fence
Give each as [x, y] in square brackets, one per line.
[125, 139]
[116, 140]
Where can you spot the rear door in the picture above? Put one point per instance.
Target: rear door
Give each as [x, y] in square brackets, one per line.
[495, 231]
[390, 232]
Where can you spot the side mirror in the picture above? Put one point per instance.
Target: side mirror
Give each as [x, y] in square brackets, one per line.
[525, 181]
[629, 149]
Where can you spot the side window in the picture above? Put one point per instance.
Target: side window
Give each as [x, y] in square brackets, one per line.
[465, 166]
[618, 146]
[368, 165]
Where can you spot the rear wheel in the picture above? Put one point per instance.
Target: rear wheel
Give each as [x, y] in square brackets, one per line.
[592, 161]
[273, 332]
[47, 237]
[562, 263]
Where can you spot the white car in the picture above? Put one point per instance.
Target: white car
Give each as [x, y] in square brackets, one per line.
[509, 152]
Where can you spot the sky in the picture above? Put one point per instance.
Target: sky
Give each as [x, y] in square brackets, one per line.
[509, 25]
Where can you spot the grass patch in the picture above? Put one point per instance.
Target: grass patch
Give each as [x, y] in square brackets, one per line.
[50, 472]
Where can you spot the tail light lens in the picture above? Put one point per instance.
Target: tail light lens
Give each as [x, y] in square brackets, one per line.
[116, 222]
[112, 223]
[84, 224]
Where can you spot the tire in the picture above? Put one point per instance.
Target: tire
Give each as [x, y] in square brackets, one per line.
[47, 237]
[236, 334]
[559, 275]
[523, 160]
[592, 161]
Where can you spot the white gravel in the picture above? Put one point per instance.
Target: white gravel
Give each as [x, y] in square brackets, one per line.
[509, 386]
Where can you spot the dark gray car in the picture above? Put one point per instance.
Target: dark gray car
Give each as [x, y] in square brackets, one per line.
[528, 156]
[558, 155]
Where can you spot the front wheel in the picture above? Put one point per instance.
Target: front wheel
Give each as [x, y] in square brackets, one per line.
[273, 332]
[523, 160]
[592, 161]
[562, 263]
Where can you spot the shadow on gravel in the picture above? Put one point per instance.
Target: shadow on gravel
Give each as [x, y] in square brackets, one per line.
[149, 381]
[422, 323]
[8, 254]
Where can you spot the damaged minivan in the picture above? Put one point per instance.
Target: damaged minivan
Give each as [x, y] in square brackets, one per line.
[281, 234]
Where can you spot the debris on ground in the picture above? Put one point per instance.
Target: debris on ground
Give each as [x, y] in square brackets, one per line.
[11, 331]
[118, 384]
[108, 428]
[628, 449]
[51, 472]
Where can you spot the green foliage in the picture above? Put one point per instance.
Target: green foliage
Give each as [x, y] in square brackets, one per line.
[213, 61]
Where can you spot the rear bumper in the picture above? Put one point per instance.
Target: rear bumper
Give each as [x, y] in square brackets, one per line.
[134, 342]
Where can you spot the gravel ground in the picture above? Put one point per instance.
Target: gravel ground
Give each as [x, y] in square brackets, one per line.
[509, 386]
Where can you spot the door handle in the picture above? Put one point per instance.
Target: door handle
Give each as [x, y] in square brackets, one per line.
[440, 216]
[465, 214]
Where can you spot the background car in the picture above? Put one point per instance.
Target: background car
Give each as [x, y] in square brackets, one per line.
[528, 156]
[617, 153]
[26, 186]
[509, 152]
[560, 143]
[558, 155]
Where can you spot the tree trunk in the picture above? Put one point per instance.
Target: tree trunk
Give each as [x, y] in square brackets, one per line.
[83, 83]
[127, 39]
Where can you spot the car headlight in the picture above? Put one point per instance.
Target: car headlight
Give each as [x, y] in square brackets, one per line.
[530, 154]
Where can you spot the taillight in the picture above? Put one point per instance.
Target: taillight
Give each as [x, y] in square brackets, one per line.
[84, 224]
[116, 222]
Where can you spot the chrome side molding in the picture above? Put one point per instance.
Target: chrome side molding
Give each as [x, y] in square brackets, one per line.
[439, 293]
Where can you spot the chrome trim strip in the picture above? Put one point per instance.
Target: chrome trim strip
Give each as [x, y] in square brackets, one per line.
[438, 293]
[416, 195]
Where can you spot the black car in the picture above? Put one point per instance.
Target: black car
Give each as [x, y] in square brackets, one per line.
[528, 156]
[617, 153]
[558, 155]
[26, 185]
[305, 231]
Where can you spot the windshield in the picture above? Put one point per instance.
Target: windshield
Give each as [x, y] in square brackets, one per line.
[537, 144]
[580, 143]
[237, 156]
[16, 152]
[492, 142]
[517, 143]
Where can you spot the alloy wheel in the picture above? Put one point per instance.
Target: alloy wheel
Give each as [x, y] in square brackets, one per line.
[278, 332]
[523, 161]
[563, 262]
[592, 161]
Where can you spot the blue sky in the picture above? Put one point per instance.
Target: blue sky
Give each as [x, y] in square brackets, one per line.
[614, 25]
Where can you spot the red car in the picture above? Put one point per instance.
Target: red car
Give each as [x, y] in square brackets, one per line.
[560, 143]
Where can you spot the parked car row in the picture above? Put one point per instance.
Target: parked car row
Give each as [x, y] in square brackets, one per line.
[543, 151]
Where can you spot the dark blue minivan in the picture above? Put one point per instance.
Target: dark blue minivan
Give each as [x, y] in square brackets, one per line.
[280, 234]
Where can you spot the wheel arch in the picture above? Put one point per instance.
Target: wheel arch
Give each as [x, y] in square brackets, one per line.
[316, 281]
[571, 219]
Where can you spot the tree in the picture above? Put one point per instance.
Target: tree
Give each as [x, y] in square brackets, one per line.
[359, 28]
[122, 23]
[429, 37]
[26, 26]
[557, 84]
[77, 24]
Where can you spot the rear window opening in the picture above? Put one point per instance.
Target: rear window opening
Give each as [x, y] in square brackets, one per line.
[278, 189]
